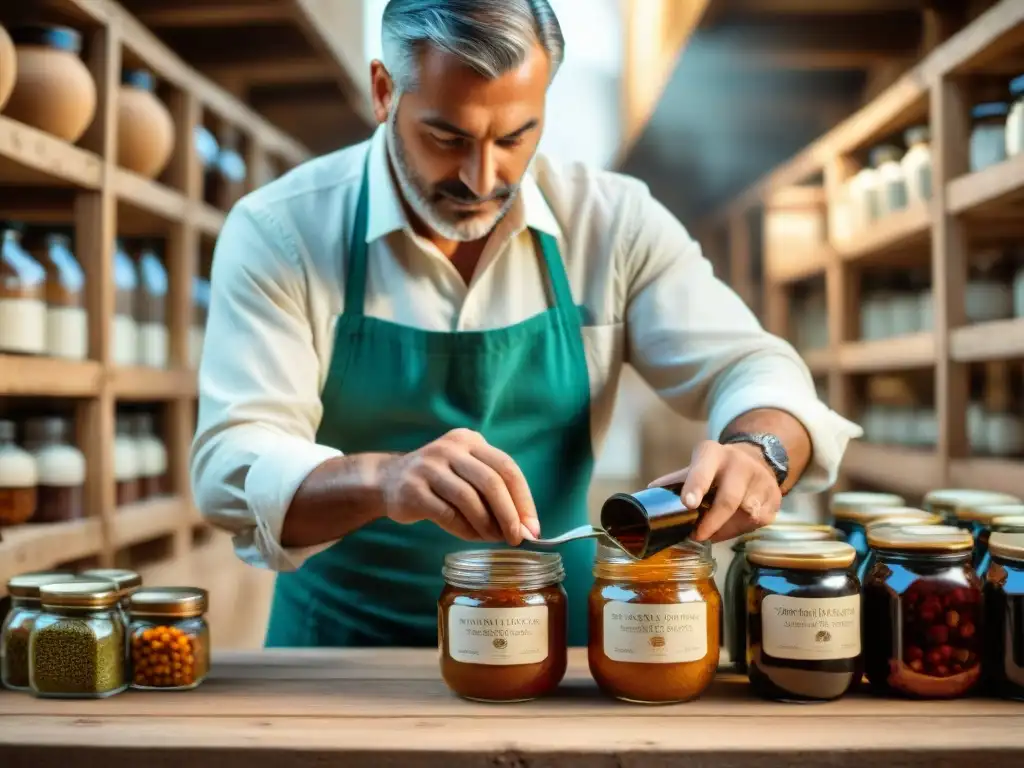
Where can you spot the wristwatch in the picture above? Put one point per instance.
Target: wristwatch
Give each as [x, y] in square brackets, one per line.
[772, 449]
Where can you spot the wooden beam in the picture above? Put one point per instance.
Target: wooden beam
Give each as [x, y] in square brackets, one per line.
[216, 14]
[764, 7]
[274, 71]
[819, 59]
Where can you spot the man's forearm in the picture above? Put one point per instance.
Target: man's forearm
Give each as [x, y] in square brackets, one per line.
[785, 427]
[337, 498]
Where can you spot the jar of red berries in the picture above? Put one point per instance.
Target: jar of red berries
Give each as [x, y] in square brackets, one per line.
[922, 613]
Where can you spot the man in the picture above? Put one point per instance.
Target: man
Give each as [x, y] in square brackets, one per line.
[415, 344]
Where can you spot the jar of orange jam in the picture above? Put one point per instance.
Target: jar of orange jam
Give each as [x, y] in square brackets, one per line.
[654, 624]
[502, 624]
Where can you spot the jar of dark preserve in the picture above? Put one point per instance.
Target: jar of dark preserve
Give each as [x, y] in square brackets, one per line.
[978, 518]
[502, 624]
[851, 510]
[945, 502]
[804, 620]
[913, 517]
[735, 587]
[922, 613]
[1004, 616]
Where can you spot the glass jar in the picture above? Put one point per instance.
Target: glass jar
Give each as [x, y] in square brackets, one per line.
[126, 461]
[61, 470]
[890, 180]
[1008, 524]
[804, 620]
[739, 571]
[917, 164]
[18, 478]
[22, 296]
[151, 303]
[922, 613]
[978, 519]
[67, 325]
[988, 135]
[908, 516]
[1015, 119]
[200, 312]
[77, 645]
[863, 197]
[852, 509]
[169, 638]
[152, 458]
[502, 624]
[126, 326]
[654, 624]
[1004, 616]
[14, 634]
[127, 583]
[946, 501]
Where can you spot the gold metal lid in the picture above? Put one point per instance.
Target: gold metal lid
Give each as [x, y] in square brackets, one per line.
[921, 538]
[792, 532]
[80, 593]
[1009, 546]
[1008, 523]
[801, 555]
[952, 499]
[904, 516]
[843, 504]
[182, 602]
[508, 568]
[986, 513]
[126, 580]
[26, 585]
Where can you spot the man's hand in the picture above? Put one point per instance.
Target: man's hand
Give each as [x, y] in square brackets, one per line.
[747, 495]
[466, 486]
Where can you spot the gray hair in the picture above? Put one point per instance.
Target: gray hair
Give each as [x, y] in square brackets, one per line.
[491, 36]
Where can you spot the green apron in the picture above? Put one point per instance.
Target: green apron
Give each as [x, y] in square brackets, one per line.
[392, 387]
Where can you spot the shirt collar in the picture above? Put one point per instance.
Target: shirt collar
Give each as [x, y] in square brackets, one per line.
[386, 214]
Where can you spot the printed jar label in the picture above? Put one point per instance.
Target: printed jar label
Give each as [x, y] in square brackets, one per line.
[811, 628]
[498, 636]
[655, 633]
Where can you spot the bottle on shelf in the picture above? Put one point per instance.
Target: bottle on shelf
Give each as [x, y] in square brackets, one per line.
[61, 468]
[988, 134]
[200, 313]
[67, 325]
[1015, 119]
[152, 458]
[917, 164]
[22, 296]
[126, 461]
[231, 168]
[891, 182]
[151, 303]
[126, 327]
[18, 479]
[145, 129]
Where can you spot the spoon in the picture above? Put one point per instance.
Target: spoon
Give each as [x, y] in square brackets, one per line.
[573, 534]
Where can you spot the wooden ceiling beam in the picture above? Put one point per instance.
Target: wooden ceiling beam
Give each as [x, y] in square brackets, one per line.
[818, 59]
[300, 69]
[787, 7]
[211, 13]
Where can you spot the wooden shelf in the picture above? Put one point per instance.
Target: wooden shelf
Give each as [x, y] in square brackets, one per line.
[31, 156]
[899, 353]
[35, 547]
[207, 219]
[904, 470]
[898, 231]
[799, 266]
[1003, 475]
[148, 520]
[989, 189]
[819, 361]
[49, 376]
[152, 383]
[998, 340]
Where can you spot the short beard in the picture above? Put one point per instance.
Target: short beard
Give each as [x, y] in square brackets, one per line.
[417, 194]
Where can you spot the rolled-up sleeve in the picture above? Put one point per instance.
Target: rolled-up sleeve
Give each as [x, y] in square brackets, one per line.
[704, 352]
[259, 400]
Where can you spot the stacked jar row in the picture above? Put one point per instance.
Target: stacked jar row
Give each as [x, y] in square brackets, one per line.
[94, 634]
[42, 478]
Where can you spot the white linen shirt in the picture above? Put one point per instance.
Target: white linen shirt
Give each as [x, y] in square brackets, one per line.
[278, 285]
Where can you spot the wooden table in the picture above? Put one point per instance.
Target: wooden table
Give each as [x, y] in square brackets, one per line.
[389, 709]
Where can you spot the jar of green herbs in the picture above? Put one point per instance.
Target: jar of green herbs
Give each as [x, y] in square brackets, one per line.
[25, 607]
[77, 645]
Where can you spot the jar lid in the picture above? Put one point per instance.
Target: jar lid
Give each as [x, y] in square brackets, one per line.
[124, 579]
[1017, 86]
[955, 498]
[1008, 522]
[51, 36]
[792, 532]
[1009, 546]
[483, 568]
[27, 585]
[80, 593]
[843, 502]
[918, 134]
[990, 109]
[884, 154]
[8, 430]
[139, 78]
[865, 515]
[908, 516]
[184, 602]
[921, 538]
[801, 555]
[986, 513]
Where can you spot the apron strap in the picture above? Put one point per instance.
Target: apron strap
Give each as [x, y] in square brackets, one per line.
[355, 277]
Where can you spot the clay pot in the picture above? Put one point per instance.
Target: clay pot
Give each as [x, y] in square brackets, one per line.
[54, 91]
[145, 129]
[8, 66]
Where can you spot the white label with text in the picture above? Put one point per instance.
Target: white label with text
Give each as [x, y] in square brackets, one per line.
[811, 628]
[498, 636]
[655, 633]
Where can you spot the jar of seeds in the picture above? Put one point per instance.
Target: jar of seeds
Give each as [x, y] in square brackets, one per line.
[77, 645]
[128, 582]
[169, 637]
[25, 607]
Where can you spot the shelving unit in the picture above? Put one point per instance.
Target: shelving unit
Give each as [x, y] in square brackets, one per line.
[44, 179]
[966, 211]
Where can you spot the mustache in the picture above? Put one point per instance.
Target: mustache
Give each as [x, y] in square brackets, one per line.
[460, 193]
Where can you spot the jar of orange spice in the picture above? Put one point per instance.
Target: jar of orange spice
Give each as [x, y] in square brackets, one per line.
[169, 638]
